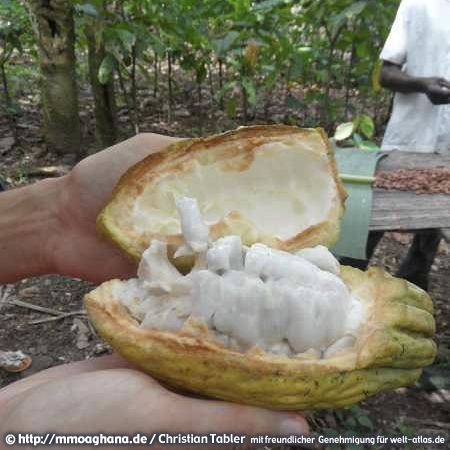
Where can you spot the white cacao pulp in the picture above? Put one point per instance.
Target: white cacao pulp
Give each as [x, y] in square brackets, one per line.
[280, 302]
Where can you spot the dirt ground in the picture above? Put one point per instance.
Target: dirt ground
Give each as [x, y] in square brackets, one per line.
[422, 408]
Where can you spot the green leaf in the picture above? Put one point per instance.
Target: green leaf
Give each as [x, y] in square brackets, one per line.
[296, 69]
[200, 73]
[355, 9]
[193, 36]
[358, 140]
[350, 422]
[294, 103]
[344, 131]
[361, 49]
[365, 421]
[127, 38]
[267, 4]
[250, 90]
[322, 75]
[376, 86]
[14, 108]
[87, 8]
[353, 447]
[157, 44]
[348, 13]
[356, 410]
[228, 87]
[106, 69]
[231, 107]
[334, 447]
[366, 126]
[329, 431]
[223, 45]
[127, 59]
[404, 429]
[369, 146]
[439, 382]
[270, 80]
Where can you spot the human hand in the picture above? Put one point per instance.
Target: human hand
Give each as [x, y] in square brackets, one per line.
[106, 395]
[77, 249]
[437, 90]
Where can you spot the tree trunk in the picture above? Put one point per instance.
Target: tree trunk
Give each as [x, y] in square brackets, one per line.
[221, 106]
[134, 90]
[155, 80]
[104, 96]
[126, 98]
[53, 25]
[244, 103]
[169, 85]
[8, 103]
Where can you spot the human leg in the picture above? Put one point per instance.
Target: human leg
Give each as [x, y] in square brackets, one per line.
[373, 239]
[417, 264]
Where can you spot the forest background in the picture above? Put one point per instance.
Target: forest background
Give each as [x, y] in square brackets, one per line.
[113, 69]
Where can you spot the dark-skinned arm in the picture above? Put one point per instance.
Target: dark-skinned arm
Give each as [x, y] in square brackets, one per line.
[436, 89]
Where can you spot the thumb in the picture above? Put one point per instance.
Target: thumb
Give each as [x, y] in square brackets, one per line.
[203, 417]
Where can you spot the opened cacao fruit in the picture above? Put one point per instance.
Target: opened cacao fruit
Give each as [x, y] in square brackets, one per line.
[237, 296]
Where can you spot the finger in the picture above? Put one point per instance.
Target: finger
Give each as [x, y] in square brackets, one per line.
[444, 89]
[116, 159]
[121, 156]
[444, 82]
[63, 371]
[153, 143]
[203, 417]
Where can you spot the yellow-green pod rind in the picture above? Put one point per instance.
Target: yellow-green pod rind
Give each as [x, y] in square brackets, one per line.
[385, 356]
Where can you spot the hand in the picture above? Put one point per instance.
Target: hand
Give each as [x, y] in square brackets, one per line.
[106, 395]
[77, 249]
[437, 90]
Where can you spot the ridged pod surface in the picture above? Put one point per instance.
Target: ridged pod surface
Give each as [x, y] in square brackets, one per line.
[394, 342]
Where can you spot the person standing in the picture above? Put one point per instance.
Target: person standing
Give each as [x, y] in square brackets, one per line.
[416, 67]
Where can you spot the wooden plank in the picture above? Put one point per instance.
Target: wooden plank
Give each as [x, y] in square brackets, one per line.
[405, 210]
[396, 160]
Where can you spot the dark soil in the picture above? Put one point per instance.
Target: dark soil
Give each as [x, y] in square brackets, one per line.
[424, 408]
[421, 408]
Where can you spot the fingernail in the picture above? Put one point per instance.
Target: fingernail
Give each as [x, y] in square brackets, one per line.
[293, 425]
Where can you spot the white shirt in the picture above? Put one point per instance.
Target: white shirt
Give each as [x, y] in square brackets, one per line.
[419, 41]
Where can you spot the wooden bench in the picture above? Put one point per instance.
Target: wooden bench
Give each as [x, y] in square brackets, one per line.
[406, 210]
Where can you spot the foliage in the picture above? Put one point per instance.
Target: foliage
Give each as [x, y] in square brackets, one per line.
[10, 30]
[13, 26]
[357, 133]
[348, 422]
[324, 54]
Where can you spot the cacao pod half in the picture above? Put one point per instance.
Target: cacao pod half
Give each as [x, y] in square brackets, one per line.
[275, 185]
